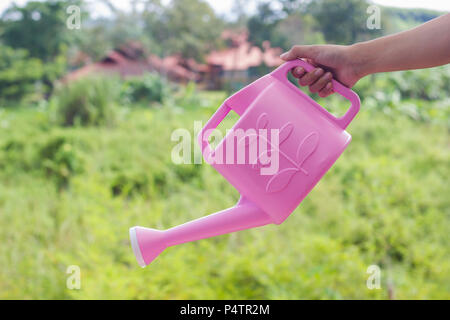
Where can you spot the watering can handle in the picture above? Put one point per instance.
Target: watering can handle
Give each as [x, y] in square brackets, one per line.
[282, 71]
[212, 123]
[281, 74]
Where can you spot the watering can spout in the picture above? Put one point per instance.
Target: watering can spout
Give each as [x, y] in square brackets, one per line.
[148, 243]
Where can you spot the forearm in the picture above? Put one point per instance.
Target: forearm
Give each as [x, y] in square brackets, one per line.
[422, 47]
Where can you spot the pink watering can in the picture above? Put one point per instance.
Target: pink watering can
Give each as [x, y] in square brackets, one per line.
[307, 140]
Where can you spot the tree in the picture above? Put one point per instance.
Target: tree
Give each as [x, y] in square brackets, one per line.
[262, 26]
[239, 11]
[38, 27]
[188, 27]
[300, 28]
[342, 22]
[293, 6]
[18, 73]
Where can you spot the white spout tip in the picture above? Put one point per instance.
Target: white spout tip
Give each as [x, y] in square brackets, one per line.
[136, 248]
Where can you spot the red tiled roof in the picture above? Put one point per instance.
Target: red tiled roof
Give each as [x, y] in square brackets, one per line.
[244, 55]
[116, 63]
[171, 66]
[130, 60]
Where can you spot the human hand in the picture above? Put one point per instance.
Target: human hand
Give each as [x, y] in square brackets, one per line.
[331, 61]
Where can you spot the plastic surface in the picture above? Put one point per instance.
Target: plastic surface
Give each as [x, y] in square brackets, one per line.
[310, 141]
[151, 242]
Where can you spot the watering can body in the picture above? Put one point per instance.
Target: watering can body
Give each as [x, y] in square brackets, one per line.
[307, 142]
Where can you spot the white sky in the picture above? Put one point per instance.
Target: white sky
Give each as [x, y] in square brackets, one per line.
[224, 7]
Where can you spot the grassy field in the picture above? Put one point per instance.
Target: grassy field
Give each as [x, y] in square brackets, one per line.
[69, 195]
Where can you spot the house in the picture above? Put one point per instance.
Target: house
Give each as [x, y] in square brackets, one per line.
[131, 60]
[241, 62]
[237, 65]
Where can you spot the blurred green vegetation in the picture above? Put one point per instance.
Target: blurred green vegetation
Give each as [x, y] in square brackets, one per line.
[149, 88]
[39, 27]
[69, 194]
[37, 48]
[88, 101]
[18, 74]
[81, 162]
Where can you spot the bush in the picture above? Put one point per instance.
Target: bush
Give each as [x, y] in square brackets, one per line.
[130, 184]
[18, 74]
[134, 181]
[26, 78]
[146, 89]
[89, 101]
[187, 172]
[60, 160]
[426, 84]
[188, 97]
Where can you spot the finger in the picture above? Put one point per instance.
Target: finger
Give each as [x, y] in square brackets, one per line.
[325, 92]
[311, 77]
[299, 52]
[321, 82]
[298, 72]
[311, 62]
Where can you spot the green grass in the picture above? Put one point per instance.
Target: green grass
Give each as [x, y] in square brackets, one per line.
[384, 202]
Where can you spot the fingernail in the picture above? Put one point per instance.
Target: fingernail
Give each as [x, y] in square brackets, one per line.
[328, 75]
[299, 70]
[318, 72]
[284, 55]
[329, 85]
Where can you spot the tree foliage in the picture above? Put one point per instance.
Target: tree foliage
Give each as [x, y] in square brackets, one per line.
[342, 22]
[188, 27]
[262, 26]
[18, 73]
[39, 27]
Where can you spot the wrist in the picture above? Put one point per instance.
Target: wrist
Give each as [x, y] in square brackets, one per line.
[362, 59]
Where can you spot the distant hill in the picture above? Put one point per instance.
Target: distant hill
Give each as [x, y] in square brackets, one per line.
[399, 19]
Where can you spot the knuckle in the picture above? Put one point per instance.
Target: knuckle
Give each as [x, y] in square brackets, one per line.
[313, 79]
[314, 51]
[324, 81]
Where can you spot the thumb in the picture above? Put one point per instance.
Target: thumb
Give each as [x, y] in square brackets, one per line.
[299, 52]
